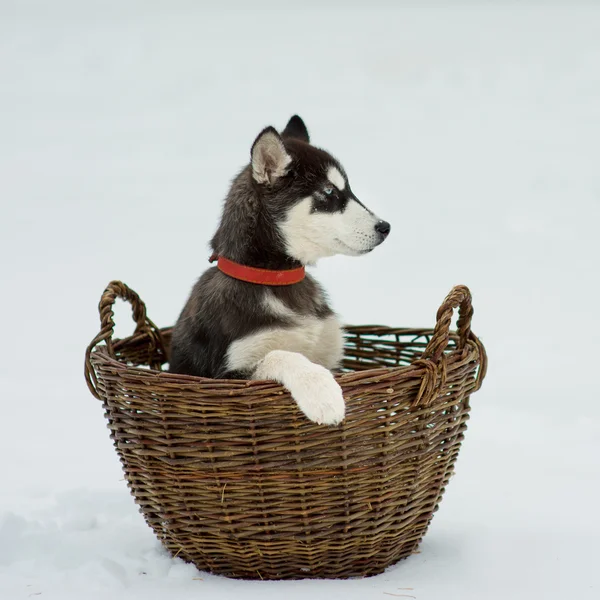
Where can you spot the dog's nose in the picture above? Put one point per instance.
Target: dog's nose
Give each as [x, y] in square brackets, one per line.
[383, 227]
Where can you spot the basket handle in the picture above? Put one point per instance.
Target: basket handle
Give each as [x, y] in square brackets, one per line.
[459, 297]
[114, 290]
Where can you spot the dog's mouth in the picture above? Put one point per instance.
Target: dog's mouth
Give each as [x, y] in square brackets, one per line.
[354, 251]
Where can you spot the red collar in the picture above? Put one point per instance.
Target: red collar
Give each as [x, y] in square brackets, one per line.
[255, 275]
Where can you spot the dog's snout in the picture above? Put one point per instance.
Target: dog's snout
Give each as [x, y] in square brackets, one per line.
[383, 227]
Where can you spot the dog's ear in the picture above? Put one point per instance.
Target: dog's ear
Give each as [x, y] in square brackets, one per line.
[296, 129]
[269, 158]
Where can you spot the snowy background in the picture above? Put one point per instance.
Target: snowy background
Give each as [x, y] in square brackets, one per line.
[473, 128]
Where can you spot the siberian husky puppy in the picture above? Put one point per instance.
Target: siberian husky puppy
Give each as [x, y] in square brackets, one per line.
[257, 314]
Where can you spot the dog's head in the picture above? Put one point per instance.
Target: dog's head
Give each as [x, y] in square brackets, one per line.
[307, 194]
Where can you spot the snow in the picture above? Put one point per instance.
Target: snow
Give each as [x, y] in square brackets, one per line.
[474, 128]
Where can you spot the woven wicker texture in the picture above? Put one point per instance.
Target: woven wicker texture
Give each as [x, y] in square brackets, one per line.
[232, 477]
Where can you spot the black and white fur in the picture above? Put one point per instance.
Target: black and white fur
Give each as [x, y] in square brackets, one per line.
[289, 207]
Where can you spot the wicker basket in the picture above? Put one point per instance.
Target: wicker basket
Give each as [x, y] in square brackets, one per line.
[232, 477]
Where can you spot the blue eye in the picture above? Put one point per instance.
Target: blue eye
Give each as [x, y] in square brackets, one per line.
[328, 191]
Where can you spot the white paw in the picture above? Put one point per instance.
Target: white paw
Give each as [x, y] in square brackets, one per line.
[312, 386]
[318, 396]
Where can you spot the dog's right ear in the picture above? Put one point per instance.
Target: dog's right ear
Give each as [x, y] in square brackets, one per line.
[296, 129]
[269, 158]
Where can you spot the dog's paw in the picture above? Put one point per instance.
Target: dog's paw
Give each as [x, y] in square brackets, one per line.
[312, 386]
[319, 396]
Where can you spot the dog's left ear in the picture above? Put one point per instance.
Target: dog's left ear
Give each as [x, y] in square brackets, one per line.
[269, 158]
[296, 129]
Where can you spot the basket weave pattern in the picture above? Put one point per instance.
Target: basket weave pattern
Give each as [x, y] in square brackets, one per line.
[232, 477]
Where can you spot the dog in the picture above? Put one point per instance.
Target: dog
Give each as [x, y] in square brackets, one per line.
[257, 314]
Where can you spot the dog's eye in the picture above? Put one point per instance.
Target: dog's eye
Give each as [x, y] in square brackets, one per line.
[328, 191]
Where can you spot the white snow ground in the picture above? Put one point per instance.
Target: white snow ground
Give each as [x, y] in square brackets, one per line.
[475, 129]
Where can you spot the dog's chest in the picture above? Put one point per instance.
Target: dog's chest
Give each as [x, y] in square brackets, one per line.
[319, 339]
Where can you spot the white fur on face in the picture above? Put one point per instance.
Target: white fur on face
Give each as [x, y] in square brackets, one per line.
[312, 235]
[335, 177]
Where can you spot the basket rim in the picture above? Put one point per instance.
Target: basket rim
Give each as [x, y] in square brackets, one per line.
[436, 357]
[467, 354]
